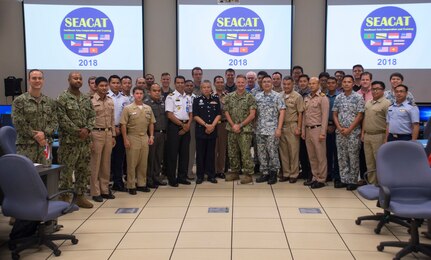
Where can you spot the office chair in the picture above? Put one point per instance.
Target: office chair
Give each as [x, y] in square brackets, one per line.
[26, 198]
[428, 147]
[427, 130]
[405, 190]
[7, 140]
[371, 192]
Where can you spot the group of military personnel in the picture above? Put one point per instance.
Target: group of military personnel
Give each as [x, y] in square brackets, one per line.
[299, 127]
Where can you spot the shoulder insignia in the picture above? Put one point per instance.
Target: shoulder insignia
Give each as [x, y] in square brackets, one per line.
[322, 94]
[171, 94]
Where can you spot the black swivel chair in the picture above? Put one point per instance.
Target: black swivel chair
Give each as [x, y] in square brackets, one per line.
[26, 198]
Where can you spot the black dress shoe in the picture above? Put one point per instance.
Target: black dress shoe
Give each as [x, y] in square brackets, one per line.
[293, 180]
[263, 178]
[212, 180]
[184, 182]
[199, 180]
[152, 185]
[173, 184]
[220, 175]
[283, 179]
[97, 198]
[160, 183]
[143, 189]
[132, 191]
[108, 196]
[317, 185]
[309, 182]
[339, 184]
[119, 188]
[351, 186]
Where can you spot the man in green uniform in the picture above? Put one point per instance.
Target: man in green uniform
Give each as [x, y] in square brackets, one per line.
[240, 110]
[76, 118]
[34, 119]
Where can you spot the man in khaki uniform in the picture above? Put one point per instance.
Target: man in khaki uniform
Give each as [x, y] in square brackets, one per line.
[291, 132]
[103, 139]
[221, 142]
[374, 127]
[314, 125]
[137, 119]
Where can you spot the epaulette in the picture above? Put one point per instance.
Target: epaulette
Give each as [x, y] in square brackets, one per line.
[171, 94]
[322, 94]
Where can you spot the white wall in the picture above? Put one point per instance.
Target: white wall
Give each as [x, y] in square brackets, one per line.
[160, 38]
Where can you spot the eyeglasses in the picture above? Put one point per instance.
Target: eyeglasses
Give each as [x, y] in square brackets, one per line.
[376, 89]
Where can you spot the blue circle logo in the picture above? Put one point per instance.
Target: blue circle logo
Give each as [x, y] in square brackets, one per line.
[238, 31]
[87, 31]
[388, 30]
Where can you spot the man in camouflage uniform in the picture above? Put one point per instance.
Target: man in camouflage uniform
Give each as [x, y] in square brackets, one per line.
[270, 115]
[34, 119]
[76, 118]
[240, 110]
[348, 111]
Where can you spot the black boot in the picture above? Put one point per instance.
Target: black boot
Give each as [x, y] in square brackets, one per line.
[263, 178]
[272, 177]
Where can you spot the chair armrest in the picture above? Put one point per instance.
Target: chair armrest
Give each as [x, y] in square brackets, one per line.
[384, 197]
[72, 203]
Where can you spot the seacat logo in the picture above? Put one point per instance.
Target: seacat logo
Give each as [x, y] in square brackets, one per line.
[388, 30]
[238, 31]
[87, 31]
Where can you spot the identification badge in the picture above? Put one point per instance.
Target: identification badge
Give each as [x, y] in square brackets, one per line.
[213, 103]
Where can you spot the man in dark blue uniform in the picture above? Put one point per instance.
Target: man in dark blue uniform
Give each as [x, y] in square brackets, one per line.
[207, 114]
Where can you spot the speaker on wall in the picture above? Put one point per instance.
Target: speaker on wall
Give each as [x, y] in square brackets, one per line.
[12, 86]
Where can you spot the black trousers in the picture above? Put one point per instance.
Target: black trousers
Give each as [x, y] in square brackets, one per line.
[155, 157]
[205, 156]
[332, 157]
[392, 137]
[362, 163]
[177, 151]
[117, 161]
[304, 161]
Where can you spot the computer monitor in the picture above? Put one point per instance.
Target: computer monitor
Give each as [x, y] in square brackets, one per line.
[5, 109]
[424, 111]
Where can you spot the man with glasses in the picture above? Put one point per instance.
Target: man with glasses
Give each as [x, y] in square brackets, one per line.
[374, 127]
[397, 79]
[402, 118]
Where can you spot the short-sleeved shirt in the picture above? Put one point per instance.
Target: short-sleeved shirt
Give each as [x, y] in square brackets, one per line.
[136, 119]
[179, 104]
[348, 107]
[375, 116]
[104, 109]
[390, 95]
[400, 117]
[230, 89]
[158, 108]
[221, 98]
[331, 99]
[316, 111]
[367, 95]
[294, 106]
[268, 111]
[207, 108]
[238, 107]
[120, 101]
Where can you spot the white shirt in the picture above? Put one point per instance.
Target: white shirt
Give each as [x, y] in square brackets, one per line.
[120, 101]
[180, 105]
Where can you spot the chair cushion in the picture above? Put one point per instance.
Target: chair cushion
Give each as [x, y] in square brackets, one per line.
[369, 192]
[410, 209]
[55, 209]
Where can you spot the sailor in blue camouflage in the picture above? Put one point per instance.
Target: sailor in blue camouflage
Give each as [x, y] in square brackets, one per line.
[348, 111]
[270, 115]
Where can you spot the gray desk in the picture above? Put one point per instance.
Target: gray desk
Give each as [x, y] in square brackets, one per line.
[50, 176]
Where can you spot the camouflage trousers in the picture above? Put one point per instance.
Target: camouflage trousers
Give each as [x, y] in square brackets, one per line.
[239, 152]
[34, 152]
[267, 147]
[76, 159]
[348, 148]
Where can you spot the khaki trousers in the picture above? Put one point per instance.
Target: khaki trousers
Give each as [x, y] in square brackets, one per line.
[372, 144]
[137, 159]
[221, 148]
[289, 151]
[100, 162]
[317, 154]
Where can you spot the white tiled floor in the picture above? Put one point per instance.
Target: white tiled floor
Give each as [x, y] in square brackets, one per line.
[263, 222]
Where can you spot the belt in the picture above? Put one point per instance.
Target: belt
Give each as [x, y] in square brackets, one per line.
[184, 121]
[375, 132]
[159, 131]
[117, 125]
[400, 135]
[223, 120]
[313, 126]
[103, 129]
[330, 122]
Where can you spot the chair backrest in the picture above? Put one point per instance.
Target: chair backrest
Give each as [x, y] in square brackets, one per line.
[7, 140]
[427, 130]
[428, 146]
[403, 164]
[25, 195]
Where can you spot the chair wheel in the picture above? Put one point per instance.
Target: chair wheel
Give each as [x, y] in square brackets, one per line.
[74, 241]
[358, 222]
[15, 256]
[380, 248]
[57, 252]
[377, 231]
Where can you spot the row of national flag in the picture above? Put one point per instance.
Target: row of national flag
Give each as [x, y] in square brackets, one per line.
[229, 43]
[237, 36]
[88, 50]
[387, 42]
[238, 50]
[82, 37]
[86, 43]
[388, 49]
[372, 36]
